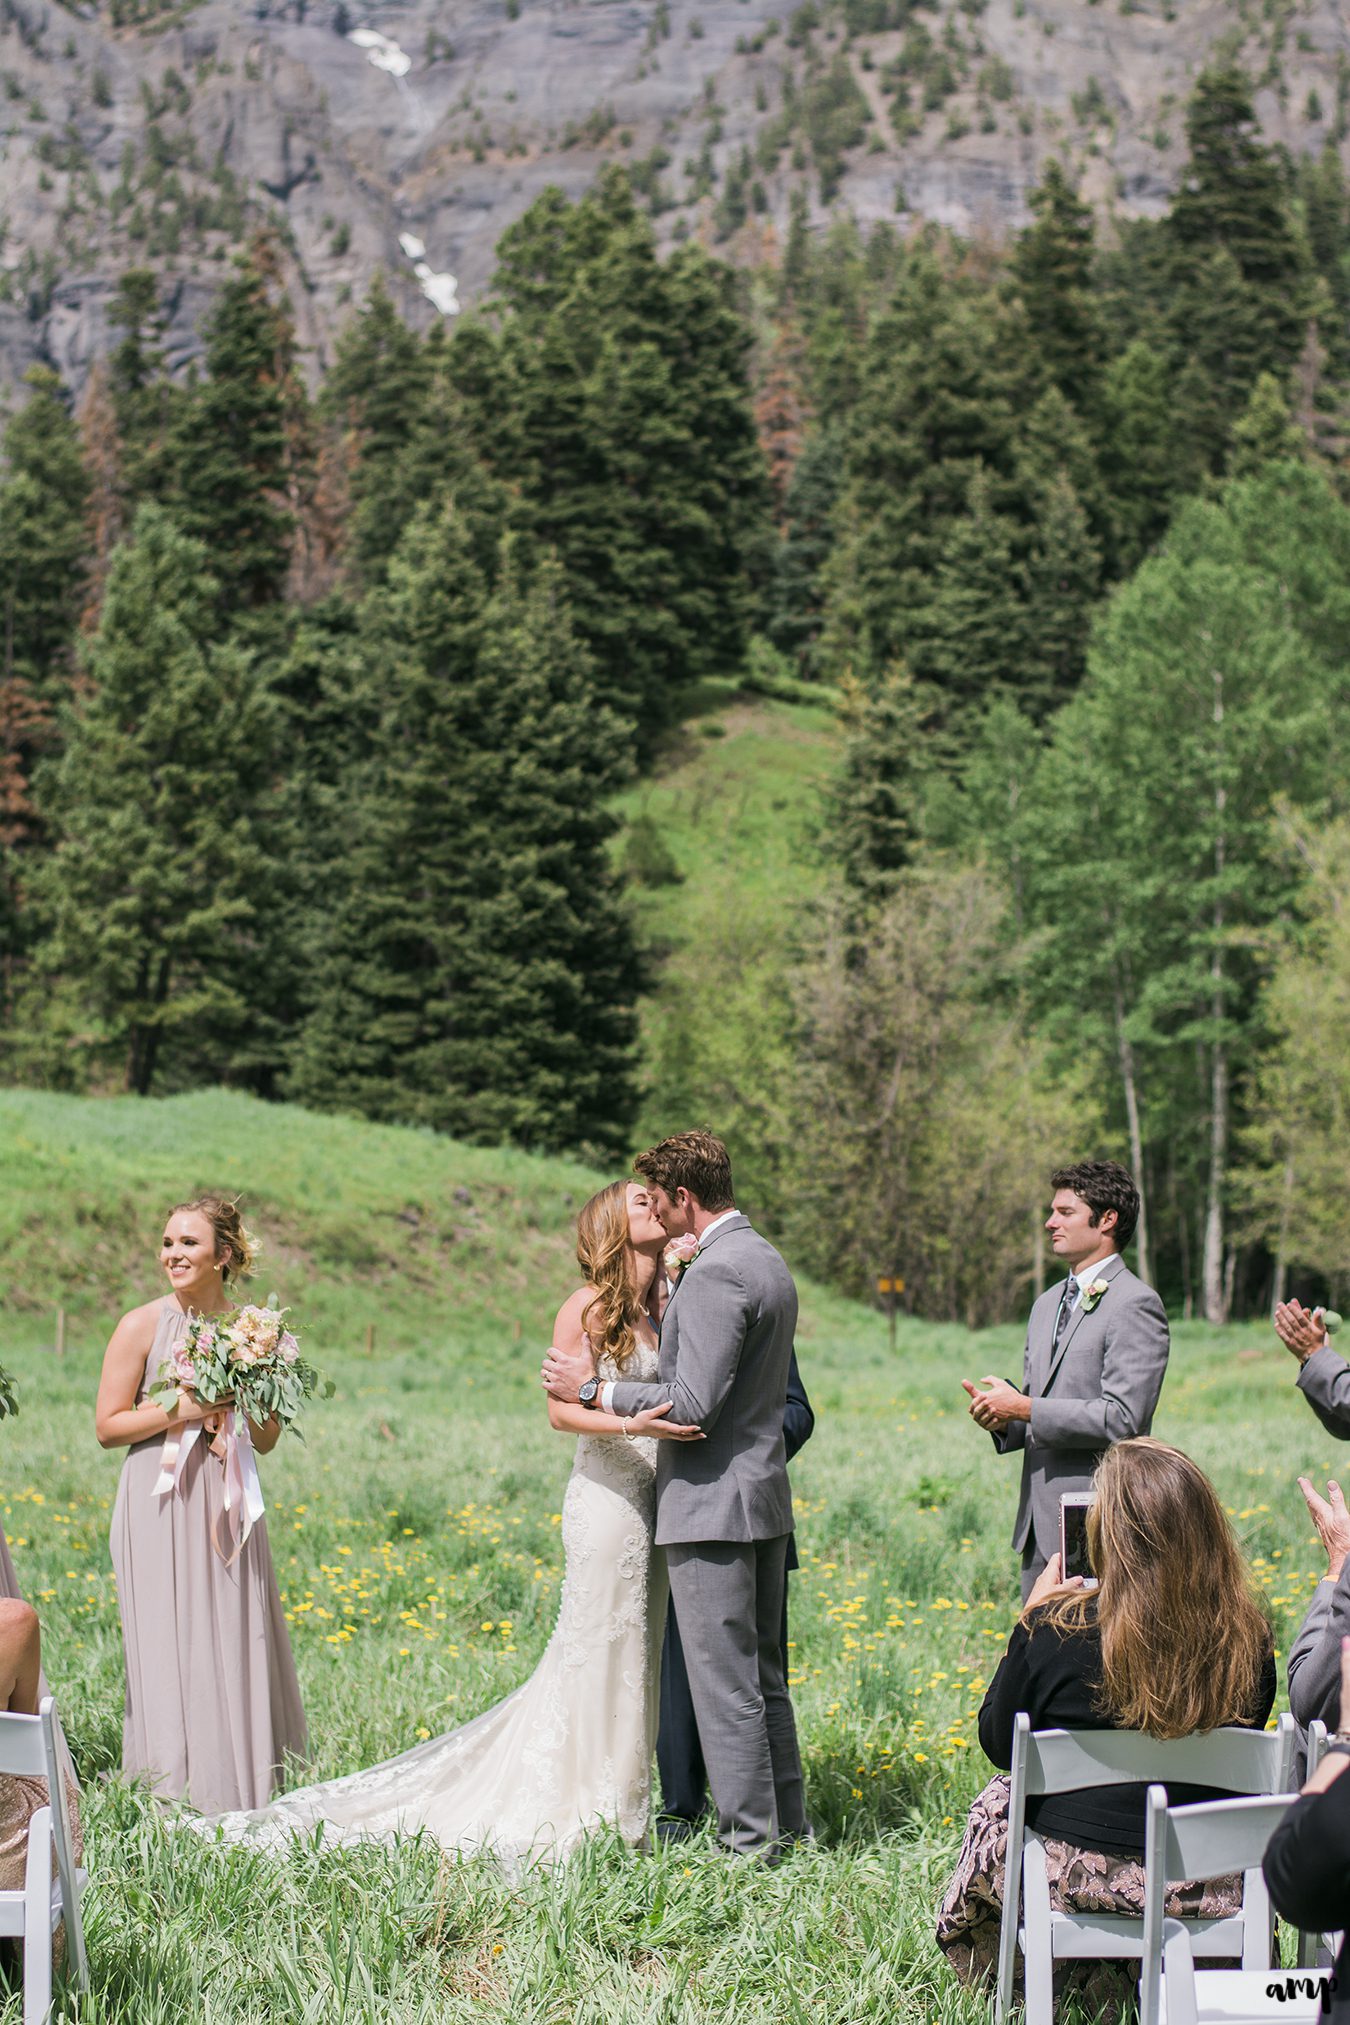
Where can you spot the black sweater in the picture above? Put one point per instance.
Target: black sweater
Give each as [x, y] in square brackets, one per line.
[1307, 1867]
[1053, 1676]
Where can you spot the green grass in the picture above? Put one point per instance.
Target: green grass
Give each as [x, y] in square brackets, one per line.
[738, 798]
[416, 1539]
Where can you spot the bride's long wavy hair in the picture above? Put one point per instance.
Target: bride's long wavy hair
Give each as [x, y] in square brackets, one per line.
[602, 1253]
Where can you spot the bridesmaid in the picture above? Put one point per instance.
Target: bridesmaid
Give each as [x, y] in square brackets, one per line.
[213, 1704]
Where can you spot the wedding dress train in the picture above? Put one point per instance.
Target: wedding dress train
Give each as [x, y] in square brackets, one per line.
[572, 1748]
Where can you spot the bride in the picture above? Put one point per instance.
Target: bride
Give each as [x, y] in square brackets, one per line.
[571, 1749]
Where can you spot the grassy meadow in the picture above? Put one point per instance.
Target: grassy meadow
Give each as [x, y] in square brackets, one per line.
[416, 1537]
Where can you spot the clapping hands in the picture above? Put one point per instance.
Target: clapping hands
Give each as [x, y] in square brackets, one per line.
[1332, 1521]
[1301, 1330]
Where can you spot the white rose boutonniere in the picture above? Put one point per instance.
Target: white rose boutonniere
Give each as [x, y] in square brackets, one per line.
[1093, 1293]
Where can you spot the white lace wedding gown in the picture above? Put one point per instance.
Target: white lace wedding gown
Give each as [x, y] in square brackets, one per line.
[572, 1748]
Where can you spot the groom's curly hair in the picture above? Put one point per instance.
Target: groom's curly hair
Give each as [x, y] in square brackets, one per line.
[693, 1160]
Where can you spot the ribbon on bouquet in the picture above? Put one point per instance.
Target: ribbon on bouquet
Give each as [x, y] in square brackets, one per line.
[242, 1496]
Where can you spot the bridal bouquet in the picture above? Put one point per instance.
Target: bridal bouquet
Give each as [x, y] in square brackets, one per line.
[247, 1359]
[249, 1364]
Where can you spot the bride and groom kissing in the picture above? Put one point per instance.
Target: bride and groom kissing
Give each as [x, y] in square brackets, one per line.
[675, 1386]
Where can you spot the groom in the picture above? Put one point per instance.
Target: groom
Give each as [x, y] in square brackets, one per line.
[724, 1510]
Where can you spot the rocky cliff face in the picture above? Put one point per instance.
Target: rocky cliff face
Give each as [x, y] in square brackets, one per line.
[407, 136]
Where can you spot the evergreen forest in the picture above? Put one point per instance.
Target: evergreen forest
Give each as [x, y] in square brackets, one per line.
[326, 711]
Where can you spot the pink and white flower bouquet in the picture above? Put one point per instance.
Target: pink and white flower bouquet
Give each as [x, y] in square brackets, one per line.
[246, 1358]
[248, 1363]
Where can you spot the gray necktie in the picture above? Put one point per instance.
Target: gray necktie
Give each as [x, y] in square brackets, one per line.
[1066, 1307]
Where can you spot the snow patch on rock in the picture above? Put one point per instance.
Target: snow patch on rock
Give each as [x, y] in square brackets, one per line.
[440, 290]
[384, 54]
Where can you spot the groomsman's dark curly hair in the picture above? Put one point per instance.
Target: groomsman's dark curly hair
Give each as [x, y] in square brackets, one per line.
[693, 1160]
[1103, 1185]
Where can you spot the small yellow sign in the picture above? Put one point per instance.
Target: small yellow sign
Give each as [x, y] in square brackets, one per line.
[890, 1286]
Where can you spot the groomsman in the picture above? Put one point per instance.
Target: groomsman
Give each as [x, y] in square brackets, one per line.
[1096, 1352]
[679, 1754]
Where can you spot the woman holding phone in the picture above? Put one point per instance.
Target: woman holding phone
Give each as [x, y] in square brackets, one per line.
[1147, 1648]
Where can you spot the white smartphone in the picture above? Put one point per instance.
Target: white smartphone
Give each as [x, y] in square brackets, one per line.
[1074, 1558]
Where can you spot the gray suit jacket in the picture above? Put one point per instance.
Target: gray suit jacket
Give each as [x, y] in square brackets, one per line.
[1315, 1655]
[1100, 1387]
[726, 1343]
[1324, 1381]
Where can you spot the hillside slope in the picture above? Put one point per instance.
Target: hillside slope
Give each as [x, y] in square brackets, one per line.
[407, 134]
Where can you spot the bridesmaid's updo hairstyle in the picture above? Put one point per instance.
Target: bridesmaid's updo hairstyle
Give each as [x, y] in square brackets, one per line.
[228, 1226]
[602, 1253]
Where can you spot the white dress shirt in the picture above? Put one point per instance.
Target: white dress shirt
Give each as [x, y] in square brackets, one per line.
[1091, 1273]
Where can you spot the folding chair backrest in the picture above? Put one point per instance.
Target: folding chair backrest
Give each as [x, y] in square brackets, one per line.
[1217, 1836]
[62, 1838]
[23, 1749]
[1232, 1760]
[1317, 1744]
[1210, 1839]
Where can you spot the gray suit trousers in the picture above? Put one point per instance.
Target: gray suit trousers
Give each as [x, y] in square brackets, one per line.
[728, 1597]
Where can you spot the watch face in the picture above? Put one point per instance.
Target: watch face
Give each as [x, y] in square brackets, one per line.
[588, 1391]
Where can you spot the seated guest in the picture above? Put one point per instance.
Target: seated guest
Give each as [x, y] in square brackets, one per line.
[1323, 1376]
[1171, 1642]
[1307, 1864]
[1315, 1657]
[21, 1795]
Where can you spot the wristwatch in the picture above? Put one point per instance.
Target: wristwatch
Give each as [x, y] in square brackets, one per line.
[589, 1391]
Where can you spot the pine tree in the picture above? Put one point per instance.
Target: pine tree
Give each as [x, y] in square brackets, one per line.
[947, 372]
[1265, 431]
[1326, 217]
[1063, 580]
[974, 644]
[375, 396]
[43, 539]
[478, 969]
[876, 817]
[782, 412]
[1232, 201]
[145, 400]
[617, 408]
[1053, 446]
[43, 557]
[1140, 458]
[102, 451]
[231, 456]
[1052, 262]
[798, 591]
[156, 898]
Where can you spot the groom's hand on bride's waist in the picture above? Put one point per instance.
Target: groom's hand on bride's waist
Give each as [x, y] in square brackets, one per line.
[565, 1372]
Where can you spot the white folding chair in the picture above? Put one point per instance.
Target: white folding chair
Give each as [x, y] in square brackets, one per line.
[1066, 1761]
[1204, 1841]
[31, 1746]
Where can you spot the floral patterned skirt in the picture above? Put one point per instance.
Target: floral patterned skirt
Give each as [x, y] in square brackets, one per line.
[1081, 1880]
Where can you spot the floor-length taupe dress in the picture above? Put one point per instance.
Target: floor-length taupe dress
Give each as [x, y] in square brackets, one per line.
[213, 1704]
